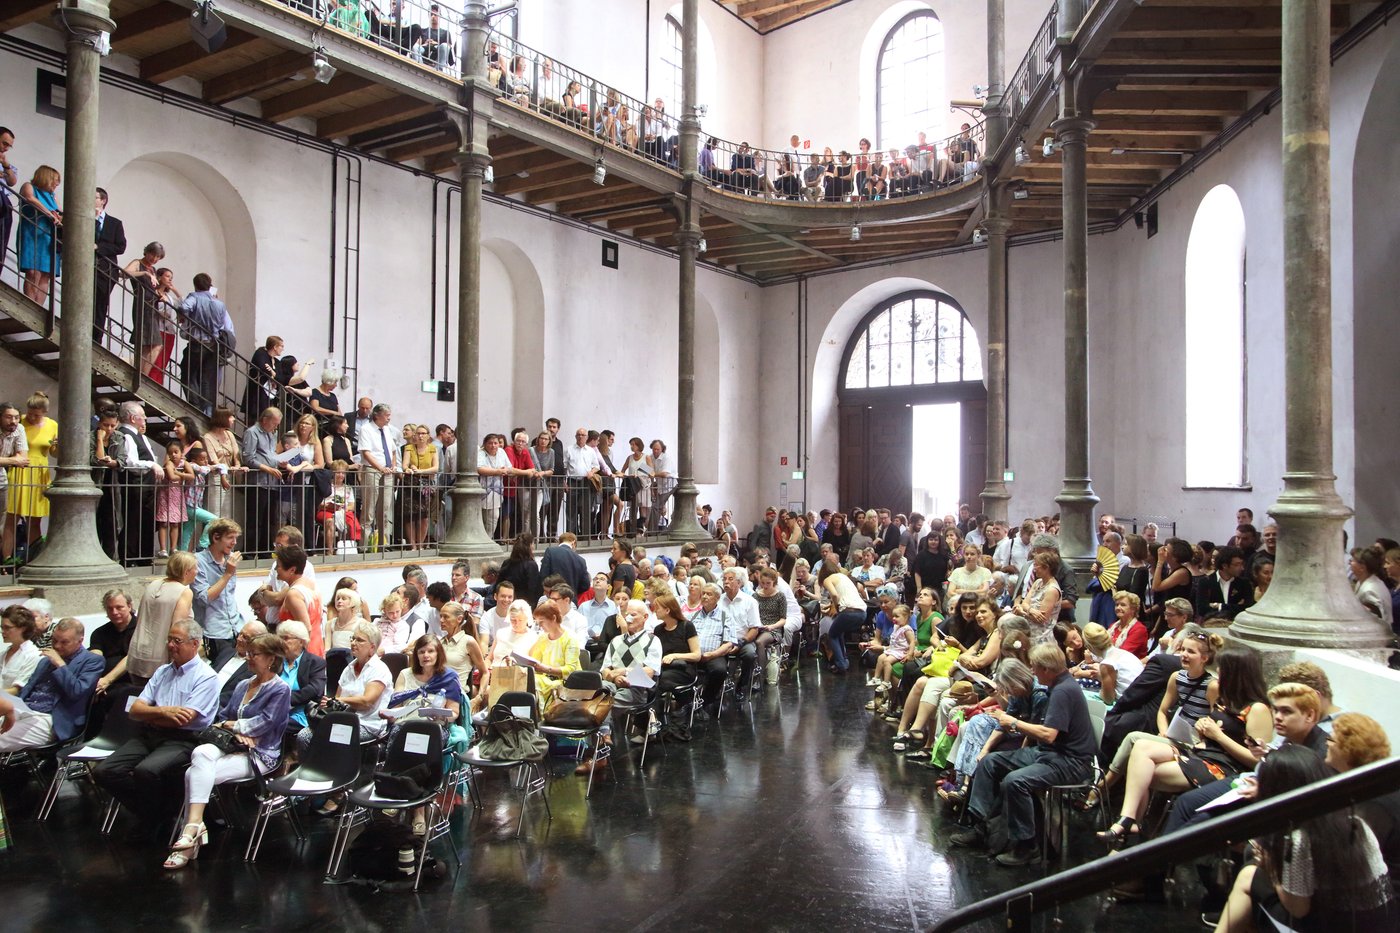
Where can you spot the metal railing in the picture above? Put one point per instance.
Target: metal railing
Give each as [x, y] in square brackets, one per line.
[149, 510]
[1277, 814]
[1034, 67]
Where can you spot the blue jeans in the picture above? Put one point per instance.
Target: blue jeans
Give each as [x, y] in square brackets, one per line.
[847, 620]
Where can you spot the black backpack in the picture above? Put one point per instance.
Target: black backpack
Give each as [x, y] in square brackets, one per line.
[385, 851]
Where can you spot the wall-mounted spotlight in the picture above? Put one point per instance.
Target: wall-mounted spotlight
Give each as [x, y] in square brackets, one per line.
[979, 90]
[489, 176]
[855, 233]
[1022, 156]
[600, 172]
[321, 66]
[1049, 147]
[206, 29]
[1020, 193]
[979, 236]
[702, 245]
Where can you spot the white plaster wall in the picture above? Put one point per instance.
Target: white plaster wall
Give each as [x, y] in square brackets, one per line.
[819, 73]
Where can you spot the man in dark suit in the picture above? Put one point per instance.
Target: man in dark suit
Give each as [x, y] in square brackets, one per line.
[556, 500]
[10, 177]
[562, 559]
[111, 243]
[58, 692]
[1226, 592]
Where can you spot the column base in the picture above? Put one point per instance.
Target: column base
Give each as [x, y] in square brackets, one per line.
[1310, 603]
[684, 526]
[466, 536]
[994, 497]
[1078, 547]
[72, 555]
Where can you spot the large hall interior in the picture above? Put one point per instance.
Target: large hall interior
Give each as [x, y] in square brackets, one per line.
[748, 464]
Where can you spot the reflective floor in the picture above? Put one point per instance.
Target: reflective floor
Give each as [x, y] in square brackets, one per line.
[792, 816]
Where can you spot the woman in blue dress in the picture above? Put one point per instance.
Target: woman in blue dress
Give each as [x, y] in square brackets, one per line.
[39, 218]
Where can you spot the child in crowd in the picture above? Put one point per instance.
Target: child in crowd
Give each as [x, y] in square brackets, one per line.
[393, 631]
[170, 498]
[195, 513]
[901, 638]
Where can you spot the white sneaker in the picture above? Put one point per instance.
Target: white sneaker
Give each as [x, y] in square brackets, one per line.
[871, 681]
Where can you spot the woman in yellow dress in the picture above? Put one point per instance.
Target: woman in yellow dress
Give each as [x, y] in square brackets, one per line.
[27, 484]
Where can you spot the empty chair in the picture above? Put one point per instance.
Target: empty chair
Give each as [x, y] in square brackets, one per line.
[331, 764]
[415, 749]
[116, 729]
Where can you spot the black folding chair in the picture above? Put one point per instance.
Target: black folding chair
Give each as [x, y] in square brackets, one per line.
[583, 681]
[528, 771]
[82, 758]
[331, 764]
[414, 743]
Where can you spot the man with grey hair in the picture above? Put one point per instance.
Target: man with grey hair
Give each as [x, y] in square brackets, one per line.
[379, 445]
[1060, 751]
[260, 456]
[43, 619]
[742, 610]
[140, 465]
[718, 641]
[145, 774]
[235, 669]
[57, 694]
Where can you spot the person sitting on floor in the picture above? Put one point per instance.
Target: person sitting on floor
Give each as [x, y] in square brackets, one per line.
[1060, 752]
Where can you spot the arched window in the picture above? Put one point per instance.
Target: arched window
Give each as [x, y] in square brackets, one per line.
[920, 338]
[1215, 356]
[670, 88]
[909, 94]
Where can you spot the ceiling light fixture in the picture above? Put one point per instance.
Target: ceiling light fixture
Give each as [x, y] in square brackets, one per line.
[321, 66]
[702, 245]
[600, 172]
[207, 30]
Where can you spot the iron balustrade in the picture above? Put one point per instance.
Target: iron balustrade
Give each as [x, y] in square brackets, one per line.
[1035, 67]
[1277, 814]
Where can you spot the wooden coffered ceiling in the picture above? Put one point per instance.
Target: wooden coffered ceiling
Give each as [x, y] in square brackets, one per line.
[767, 15]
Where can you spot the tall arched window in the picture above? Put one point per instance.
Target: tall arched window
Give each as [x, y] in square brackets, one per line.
[1215, 328]
[909, 94]
[670, 89]
[917, 339]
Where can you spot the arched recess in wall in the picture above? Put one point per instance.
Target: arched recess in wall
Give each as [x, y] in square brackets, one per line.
[204, 224]
[512, 336]
[1215, 327]
[824, 440]
[708, 428]
[666, 60]
[1375, 283]
[870, 54]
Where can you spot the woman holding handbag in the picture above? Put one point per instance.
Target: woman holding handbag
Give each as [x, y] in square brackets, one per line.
[254, 721]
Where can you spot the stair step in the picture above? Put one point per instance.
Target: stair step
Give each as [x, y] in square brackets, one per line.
[9, 326]
[31, 346]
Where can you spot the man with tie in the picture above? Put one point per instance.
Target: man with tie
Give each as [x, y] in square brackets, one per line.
[140, 465]
[380, 442]
[111, 243]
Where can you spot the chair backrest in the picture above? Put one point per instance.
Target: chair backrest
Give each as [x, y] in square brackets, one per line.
[396, 662]
[513, 702]
[584, 680]
[117, 726]
[336, 661]
[414, 743]
[334, 754]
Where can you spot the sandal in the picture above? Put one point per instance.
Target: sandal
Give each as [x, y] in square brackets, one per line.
[951, 793]
[177, 860]
[919, 754]
[914, 738]
[192, 836]
[1117, 834]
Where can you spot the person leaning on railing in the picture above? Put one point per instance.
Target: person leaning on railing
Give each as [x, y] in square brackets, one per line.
[39, 220]
[433, 44]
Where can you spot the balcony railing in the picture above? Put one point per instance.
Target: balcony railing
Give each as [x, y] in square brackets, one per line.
[1035, 67]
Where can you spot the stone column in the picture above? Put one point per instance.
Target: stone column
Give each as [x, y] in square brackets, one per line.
[997, 224]
[1076, 498]
[72, 556]
[467, 536]
[684, 526]
[1309, 604]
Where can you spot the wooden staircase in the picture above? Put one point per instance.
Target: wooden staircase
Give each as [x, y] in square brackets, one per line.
[25, 334]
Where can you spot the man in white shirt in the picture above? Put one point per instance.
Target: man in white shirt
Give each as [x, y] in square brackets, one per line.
[743, 613]
[663, 482]
[575, 622]
[14, 452]
[141, 463]
[379, 443]
[498, 618]
[1013, 552]
[582, 465]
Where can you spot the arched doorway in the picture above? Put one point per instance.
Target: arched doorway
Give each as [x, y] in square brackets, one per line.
[913, 358]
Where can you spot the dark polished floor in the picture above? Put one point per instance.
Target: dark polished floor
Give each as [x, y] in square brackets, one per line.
[796, 816]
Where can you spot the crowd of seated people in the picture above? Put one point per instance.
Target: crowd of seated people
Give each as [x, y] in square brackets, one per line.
[995, 705]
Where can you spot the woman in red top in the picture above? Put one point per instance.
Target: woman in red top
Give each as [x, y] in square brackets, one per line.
[1128, 633]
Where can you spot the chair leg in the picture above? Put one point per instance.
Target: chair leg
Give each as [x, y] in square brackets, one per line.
[260, 822]
[524, 800]
[342, 834]
[539, 772]
[109, 818]
[59, 777]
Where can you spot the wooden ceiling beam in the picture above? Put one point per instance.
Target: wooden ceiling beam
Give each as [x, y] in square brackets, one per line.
[372, 116]
[510, 184]
[791, 14]
[626, 218]
[433, 145]
[589, 201]
[1106, 142]
[536, 161]
[1228, 21]
[1171, 104]
[648, 231]
[1096, 175]
[259, 76]
[134, 26]
[313, 95]
[1153, 126]
[503, 145]
[186, 57]
[1193, 83]
[23, 12]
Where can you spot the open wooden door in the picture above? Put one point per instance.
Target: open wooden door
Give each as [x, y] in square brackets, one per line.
[974, 452]
[877, 456]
